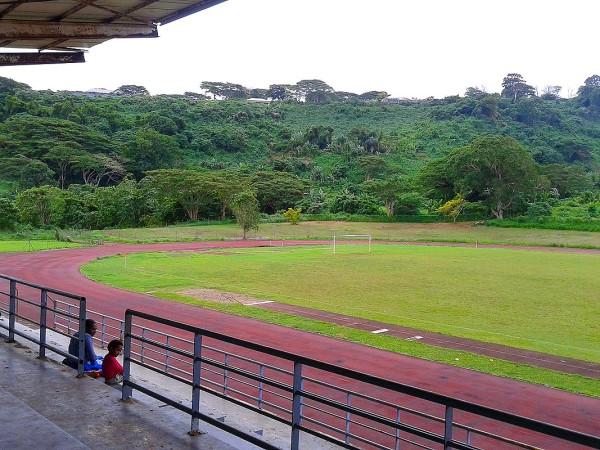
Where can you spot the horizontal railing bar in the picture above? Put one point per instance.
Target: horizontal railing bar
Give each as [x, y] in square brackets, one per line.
[374, 417]
[44, 288]
[520, 421]
[343, 432]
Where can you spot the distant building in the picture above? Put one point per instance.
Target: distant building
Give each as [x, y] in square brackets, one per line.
[399, 100]
[258, 100]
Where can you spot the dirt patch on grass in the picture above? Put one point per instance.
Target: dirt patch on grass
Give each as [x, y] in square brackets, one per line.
[214, 295]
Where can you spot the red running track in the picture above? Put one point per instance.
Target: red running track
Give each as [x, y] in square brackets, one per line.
[59, 269]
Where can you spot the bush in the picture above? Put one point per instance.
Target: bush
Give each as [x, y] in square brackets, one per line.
[539, 209]
[8, 214]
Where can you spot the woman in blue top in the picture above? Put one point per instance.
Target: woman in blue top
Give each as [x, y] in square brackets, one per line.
[90, 356]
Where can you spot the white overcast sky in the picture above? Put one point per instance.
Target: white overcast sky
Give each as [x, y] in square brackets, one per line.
[409, 48]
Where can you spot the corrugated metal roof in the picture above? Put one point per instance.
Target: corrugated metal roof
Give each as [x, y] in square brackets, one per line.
[64, 25]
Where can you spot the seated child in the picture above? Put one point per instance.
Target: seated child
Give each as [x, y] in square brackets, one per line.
[112, 370]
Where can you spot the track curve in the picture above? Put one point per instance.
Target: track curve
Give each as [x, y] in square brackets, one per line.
[60, 269]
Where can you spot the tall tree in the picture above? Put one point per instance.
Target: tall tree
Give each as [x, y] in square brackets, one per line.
[62, 158]
[314, 91]
[41, 206]
[245, 210]
[515, 87]
[589, 93]
[224, 186]
[225, 91]
[386, 190]
[186, 188]
[497, 169]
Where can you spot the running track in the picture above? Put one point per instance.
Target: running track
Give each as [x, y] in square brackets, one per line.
[59, 269]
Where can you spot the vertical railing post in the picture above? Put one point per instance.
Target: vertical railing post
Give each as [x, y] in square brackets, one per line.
[142, 350]
[167, 353]
[297, 397]
[54, 314]
[397, 447]
[348, 403]
[12, 308]
[225, 374]
[81, 337]
[126, 392]
[102, 331]
[261, 372]
[196, 384]
[448, 427]
[43, 311]
[69, 312]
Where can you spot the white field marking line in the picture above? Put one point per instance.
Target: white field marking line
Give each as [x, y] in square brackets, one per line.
[383, 330]
[556, 344]
[258, 303]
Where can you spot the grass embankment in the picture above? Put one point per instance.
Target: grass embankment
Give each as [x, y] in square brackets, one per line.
[540, 301]
[34, 245]
[398, 232]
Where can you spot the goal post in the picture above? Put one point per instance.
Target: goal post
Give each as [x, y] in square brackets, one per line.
[341, 236]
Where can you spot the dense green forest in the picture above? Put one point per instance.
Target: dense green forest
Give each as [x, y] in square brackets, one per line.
[126, 158]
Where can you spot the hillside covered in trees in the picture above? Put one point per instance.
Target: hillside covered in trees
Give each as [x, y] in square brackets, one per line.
[126, 158]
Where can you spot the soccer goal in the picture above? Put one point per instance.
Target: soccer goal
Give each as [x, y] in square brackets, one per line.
[344, 237]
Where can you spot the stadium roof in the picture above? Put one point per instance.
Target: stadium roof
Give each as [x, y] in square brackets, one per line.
[59, 31]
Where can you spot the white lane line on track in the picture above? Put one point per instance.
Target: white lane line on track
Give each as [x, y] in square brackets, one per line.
[383, 330]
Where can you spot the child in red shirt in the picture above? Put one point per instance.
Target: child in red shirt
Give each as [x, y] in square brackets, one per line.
[112, 370]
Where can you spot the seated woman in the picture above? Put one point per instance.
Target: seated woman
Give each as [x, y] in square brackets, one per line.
[90, 357]
[112, 370]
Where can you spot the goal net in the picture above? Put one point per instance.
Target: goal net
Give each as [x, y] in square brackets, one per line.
[337, 239]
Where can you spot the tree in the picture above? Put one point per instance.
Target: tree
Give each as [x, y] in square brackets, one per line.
[40, 206]
[183, 187]
[276, 191]
[245, 210]
[63, 158]
[8, 214]
[386, 190]
[223, 186]
[292, 215]
[496, 168]
[10, 86]
[225, 91]
[131, 90]
[97, 167]
[374, 166]
[453, 208]
[589, 93]
[515, 87]
[147, 149]
[373, 96]
[551, 92]
[566, 179]
[281, 92]
[319, 135]
[314, 91]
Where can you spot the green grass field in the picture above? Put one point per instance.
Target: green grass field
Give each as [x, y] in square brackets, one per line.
[33, 245]
[536, 300]
[412, 232]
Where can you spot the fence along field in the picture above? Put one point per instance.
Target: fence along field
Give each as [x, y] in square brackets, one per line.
[543, 301]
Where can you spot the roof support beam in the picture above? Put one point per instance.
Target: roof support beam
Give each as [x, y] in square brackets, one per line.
[27, 30]
[19, 59]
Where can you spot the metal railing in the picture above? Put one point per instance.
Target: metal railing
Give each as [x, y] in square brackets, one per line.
[29, 302]
[341, 406]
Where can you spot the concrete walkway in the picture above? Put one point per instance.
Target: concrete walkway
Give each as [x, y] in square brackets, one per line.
[44, 405]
